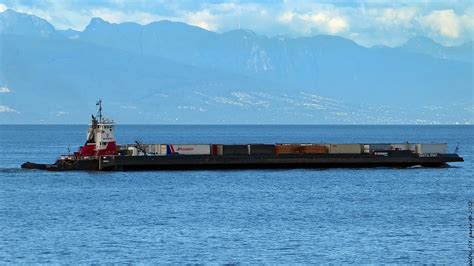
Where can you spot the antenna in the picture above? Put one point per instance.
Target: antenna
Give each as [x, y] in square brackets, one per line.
[99, 110]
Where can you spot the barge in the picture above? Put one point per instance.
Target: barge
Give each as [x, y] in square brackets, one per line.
[101, 153]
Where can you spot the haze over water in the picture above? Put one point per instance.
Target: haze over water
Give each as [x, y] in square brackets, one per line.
[417, 215]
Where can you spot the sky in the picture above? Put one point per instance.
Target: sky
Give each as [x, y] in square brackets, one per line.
[391, 23]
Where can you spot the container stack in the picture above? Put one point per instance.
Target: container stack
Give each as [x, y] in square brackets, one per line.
[345, 148]
[278, 149]
[235, 150]
[190, 149]
[431, 148]
[261, 149]
[300, 149]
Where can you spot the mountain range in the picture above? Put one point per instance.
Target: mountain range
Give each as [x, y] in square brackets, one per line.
[171, 72]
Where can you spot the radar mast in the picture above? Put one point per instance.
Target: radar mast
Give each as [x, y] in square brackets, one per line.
[99, 110]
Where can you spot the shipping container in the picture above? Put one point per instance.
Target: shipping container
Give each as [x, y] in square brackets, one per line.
[287, 148]
[190, 149]
[366, 148]
[132, 151]
[403, 147]
[261, 149]
[164, 149]
[235, 149]
[345, 148]
[216, 149]
[300, 149]
[314, 149]
[150, 149]
[154, 149]
[432, 148]
[379, 147]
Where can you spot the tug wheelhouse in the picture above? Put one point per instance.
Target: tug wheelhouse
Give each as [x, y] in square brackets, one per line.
[100, 136]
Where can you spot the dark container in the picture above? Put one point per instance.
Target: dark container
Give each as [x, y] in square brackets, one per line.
[379, 147]
[216, 149]
[262, 149]
[235, 149]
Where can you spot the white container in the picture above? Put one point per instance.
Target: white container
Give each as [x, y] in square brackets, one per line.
[148, 148]
[366, 148]
[154, 149]
[191, 149]
[418, 148]
[163, 148]
[345, 148]
[133, 150]
[434, 148]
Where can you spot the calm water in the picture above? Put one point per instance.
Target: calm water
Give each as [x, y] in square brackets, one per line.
[273, 216]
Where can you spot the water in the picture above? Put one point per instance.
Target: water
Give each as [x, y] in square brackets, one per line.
[417, 215]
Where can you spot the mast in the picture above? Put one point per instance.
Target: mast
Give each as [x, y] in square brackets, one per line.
[99, 110]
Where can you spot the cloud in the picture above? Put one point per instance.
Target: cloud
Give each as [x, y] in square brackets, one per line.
[4, 90]
[366, 22]
[203, 19]
[6, 109]
[128, 107]
[323, 21]
[55, 12]
[395, 16]
[3, 7]
[118, 16]
[286, 17]
[60, 113]
[444, 22]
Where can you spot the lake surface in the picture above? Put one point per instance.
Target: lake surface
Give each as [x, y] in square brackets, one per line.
[417, 215]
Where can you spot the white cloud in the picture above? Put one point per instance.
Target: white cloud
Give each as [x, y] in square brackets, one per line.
[4, 90]
[56, 14]
[3, 7]
[323, 21]
[368, 23]
[60, 113]
[117, 16]
[286, 17]
[203, 19]
[6, 109]
[337, 24]
[395, 16]
[128, 107]
[445, 22]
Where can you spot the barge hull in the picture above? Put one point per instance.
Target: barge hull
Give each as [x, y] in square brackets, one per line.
[122, 163]
[195, 162]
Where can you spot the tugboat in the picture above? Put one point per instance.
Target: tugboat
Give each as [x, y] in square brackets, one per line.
[101, 153]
